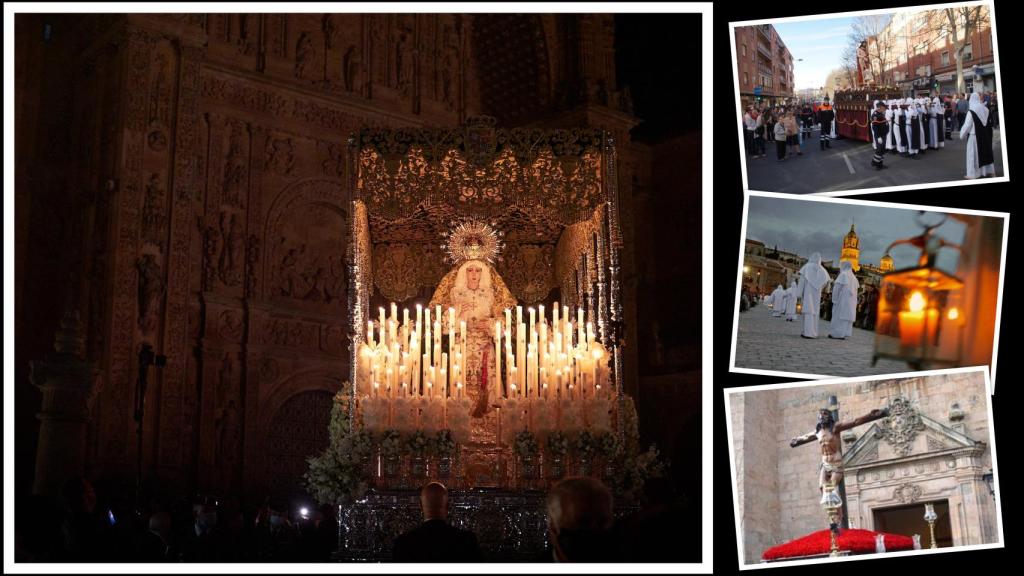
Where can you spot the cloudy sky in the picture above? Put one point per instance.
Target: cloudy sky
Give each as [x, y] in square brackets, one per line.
[820, 43]
[806, 226]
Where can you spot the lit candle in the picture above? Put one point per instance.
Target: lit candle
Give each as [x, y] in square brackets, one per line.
[590, 335]
[913, 321]
[579, 326]
[369, 333]
[497, 359]
[380, 327]
[376, 389]
[394, 311]
[533, 318]
[458, 388]
[419, 318]
[554, 321]
[405, 317]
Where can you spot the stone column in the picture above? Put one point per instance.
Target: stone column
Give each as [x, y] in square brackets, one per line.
[67, 383]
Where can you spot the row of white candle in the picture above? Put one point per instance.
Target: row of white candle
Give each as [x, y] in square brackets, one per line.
[543, 363]
[405, 359]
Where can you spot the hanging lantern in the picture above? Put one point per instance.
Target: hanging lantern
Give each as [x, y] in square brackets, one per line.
[920, 307]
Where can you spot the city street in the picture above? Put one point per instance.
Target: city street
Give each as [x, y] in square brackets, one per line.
[767, 343]
[847, 166]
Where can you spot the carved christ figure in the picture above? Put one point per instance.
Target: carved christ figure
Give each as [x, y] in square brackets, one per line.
[827, 433]
[479, 297]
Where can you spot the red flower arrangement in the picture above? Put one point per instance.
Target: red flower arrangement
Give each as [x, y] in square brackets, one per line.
[855, 540]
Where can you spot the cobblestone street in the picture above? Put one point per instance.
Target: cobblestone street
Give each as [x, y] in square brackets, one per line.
[767, 343]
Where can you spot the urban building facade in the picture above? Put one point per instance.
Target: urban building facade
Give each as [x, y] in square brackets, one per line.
[764, 65]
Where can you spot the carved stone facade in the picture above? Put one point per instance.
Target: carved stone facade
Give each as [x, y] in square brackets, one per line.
[911, 458]
[213, 186]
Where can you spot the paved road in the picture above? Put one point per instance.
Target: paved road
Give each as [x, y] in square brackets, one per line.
[847, 166]
[767, 343]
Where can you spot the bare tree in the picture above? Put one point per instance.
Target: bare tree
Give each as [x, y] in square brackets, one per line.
[959, 23]
[878, 41]
[848, 62]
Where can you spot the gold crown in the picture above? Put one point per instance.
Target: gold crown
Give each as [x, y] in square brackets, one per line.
[473, 240]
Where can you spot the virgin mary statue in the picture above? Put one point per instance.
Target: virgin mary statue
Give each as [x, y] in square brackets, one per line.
[479, 296]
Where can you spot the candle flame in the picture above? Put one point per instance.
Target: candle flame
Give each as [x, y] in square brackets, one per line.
[597, 354]
[917, 302]
[953, 313]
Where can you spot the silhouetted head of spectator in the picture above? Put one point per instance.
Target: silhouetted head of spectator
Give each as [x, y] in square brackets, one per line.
[160, 524]
[204, 515]
[434, 501]
[579, 520]
[78, 495]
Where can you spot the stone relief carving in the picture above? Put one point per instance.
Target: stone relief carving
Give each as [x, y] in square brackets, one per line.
[350, 63]
[244, 39]
[230, 326]
[305, 55]
[935, 444]
[151, 290]
[211, 248]
[907, 493]
[450, 65]
[233, 185]
[902, 425]
[404, 60]
[332, 159]
[154, 212]
[252, 258]
[231, 259]
[159, 109]
[280, 158]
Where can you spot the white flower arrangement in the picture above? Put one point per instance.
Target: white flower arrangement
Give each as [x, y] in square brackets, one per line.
[404, 417]
[598, 414]
[544, 416]
[432, 416]
[375, 414]
[458, 418]
[571, 416]
[512, 421]
[336, 475]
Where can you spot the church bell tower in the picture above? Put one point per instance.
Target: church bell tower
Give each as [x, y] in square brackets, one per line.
[851, 249]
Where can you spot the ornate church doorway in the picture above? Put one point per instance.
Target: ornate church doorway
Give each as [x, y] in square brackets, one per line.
[909, 520]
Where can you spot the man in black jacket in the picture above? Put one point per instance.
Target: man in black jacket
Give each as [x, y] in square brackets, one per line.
[435, 540]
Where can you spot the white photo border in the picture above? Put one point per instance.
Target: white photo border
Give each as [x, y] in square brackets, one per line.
[705, 9]
[727, 392]
[878, 190]
[875, 204]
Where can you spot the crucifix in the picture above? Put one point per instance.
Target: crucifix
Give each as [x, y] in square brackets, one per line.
[827, 433]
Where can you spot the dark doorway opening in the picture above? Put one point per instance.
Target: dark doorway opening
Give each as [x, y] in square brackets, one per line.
[909, 520]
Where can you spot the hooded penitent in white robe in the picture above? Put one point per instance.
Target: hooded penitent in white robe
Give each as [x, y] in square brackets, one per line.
[899, 121]
[890, 139]
[969, 130]
[922, 111]
[844, 301]
[912, 121]
[812, 279]
[792, 293]
[934, 124]
[776, 300]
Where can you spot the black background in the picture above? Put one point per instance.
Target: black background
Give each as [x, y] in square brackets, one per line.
[728, 206]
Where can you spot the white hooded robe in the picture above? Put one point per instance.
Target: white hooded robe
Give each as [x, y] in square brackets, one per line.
[776, 300]
[968, 131]
[844, 301]
[812, 279]
[792, 293]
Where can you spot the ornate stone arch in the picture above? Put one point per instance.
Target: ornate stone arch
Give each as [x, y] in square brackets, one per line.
[291, 425]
